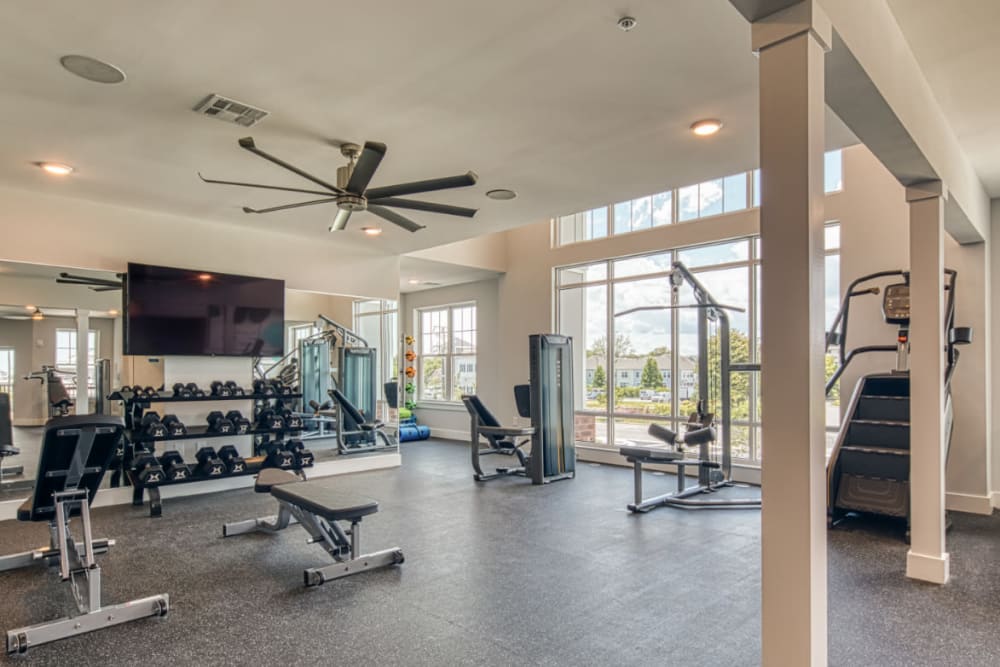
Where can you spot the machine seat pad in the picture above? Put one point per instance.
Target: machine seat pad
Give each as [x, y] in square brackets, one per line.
[269, 477]
[24, 511]
[322, 498]
[650, 452]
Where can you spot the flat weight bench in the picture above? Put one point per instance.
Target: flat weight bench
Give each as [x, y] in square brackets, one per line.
[76, 452]
[319, 508]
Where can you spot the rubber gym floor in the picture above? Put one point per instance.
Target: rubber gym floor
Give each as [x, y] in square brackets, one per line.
[501, 573]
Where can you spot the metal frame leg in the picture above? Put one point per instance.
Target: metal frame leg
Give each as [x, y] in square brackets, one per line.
[267, 524]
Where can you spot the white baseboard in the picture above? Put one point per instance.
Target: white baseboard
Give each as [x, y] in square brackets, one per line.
[964, 502]
[995, 499]
[341, 465]
[450, 434]
[927, 568]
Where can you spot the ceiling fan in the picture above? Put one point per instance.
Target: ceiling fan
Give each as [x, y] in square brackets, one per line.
[351, 194]
[96, 284]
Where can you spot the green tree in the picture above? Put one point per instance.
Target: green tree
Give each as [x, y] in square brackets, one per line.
[623, 347]
[831, 368]
[651, 374]
[739, 352]
[600, 379]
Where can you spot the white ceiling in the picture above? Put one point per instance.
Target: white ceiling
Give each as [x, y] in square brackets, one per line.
[957, 45]
[547, 97]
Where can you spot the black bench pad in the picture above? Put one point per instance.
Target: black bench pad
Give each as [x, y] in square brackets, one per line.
[322, 499]
[650, 452]
[269, 477]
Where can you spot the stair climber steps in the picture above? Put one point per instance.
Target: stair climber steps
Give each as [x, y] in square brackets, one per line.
[883, 408]
[875, 462]
[887, 385]
[878, 433]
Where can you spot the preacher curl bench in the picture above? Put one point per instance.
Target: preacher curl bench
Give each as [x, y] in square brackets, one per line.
[76, 452]
[319, 508]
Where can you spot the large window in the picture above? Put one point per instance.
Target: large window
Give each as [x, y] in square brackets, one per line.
[66, 357]
[639, 366]
[701, 200]
[447, 349]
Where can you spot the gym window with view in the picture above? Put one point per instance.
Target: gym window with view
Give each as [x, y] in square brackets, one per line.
[642, 366]
[66, 357]
[718, 196]
[447, 352]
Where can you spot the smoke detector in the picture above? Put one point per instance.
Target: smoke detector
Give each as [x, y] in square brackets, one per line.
[230, 110]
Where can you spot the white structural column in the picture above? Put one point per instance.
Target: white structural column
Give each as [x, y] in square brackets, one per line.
[792, 45]
[927, 558]
[82, 378]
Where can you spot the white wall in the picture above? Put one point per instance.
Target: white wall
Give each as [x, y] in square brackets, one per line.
[84, 234]
[452, 421]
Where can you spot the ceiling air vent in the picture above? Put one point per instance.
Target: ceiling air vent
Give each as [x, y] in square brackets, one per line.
[431, 283]
[230, 111]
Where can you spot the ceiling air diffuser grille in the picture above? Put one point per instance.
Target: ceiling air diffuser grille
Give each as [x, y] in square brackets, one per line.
[229, 110]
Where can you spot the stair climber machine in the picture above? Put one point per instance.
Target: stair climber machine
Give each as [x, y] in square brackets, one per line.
[869, 469]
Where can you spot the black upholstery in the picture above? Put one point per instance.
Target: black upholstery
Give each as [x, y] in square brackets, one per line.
[321, 498]
[392, 394]
[353, 412]
[522, 398]
[650, 453]
[7, 447]
[76, 452]
[662, 433]
[271, 477]
[480, 411]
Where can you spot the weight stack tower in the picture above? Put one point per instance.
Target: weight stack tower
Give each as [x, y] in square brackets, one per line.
[553, 445]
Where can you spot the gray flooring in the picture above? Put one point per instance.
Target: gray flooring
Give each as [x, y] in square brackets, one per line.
[501, 573]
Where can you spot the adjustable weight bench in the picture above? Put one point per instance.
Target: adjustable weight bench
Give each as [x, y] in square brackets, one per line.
[319, 507]
[76, 452]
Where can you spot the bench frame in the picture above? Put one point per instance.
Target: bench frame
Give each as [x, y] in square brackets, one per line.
[344, 545]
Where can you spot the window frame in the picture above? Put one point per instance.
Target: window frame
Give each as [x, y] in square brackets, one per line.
[93, 346]
[449, 355]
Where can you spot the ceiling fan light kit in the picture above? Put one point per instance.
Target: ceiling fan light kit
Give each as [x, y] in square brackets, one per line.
[351, 193]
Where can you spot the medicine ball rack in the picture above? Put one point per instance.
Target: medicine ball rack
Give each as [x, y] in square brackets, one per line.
[135, 407]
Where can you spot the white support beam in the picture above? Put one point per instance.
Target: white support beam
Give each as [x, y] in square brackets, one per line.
[82, 377]
[927, 558]
[792, 45]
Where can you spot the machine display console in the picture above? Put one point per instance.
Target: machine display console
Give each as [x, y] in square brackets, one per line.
[896, 304]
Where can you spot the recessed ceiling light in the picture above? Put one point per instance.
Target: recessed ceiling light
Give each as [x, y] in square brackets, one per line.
[113, 312]
[706, 127]
[204, 277]
[92, 69]
[29, 307]
[372, 231]
[55, 168]
[413, 281]
[37, 315]
[502, 194]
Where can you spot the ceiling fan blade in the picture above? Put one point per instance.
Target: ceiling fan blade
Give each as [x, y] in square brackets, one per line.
[247, 209]
[248, 144]
[257, 185]
[91, 281]
[395, 218]
[340, 222]
[430, 185]
[432, 207]
[371, 156]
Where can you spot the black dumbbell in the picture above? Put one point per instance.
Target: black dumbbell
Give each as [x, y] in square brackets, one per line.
[195, 390]
[292, 420]
[303, 457]
[217, 423]
[174, 467]
[278, 457]
[235, 463]
[147, 469]
[235, 389]
[175, 427]
[263, 388]
[220, 389]
[241, 425]
[181, 391]
[152, 426]
[209, 464]
[269, 420]
[150, 392]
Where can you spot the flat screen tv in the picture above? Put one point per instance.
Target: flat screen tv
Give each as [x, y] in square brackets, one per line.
[172, 311]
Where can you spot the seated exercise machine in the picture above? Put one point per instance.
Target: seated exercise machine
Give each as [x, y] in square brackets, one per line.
[318, 506]
[75, 454]
[55, 390]
[548, 402]
[374, 430]
[714, 463]
[7, 447]
[869, 469]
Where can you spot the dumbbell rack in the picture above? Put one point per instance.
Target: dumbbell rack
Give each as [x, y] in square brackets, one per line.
[136, 406]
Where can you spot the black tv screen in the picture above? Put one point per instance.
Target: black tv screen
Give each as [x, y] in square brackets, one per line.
[202, 313]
